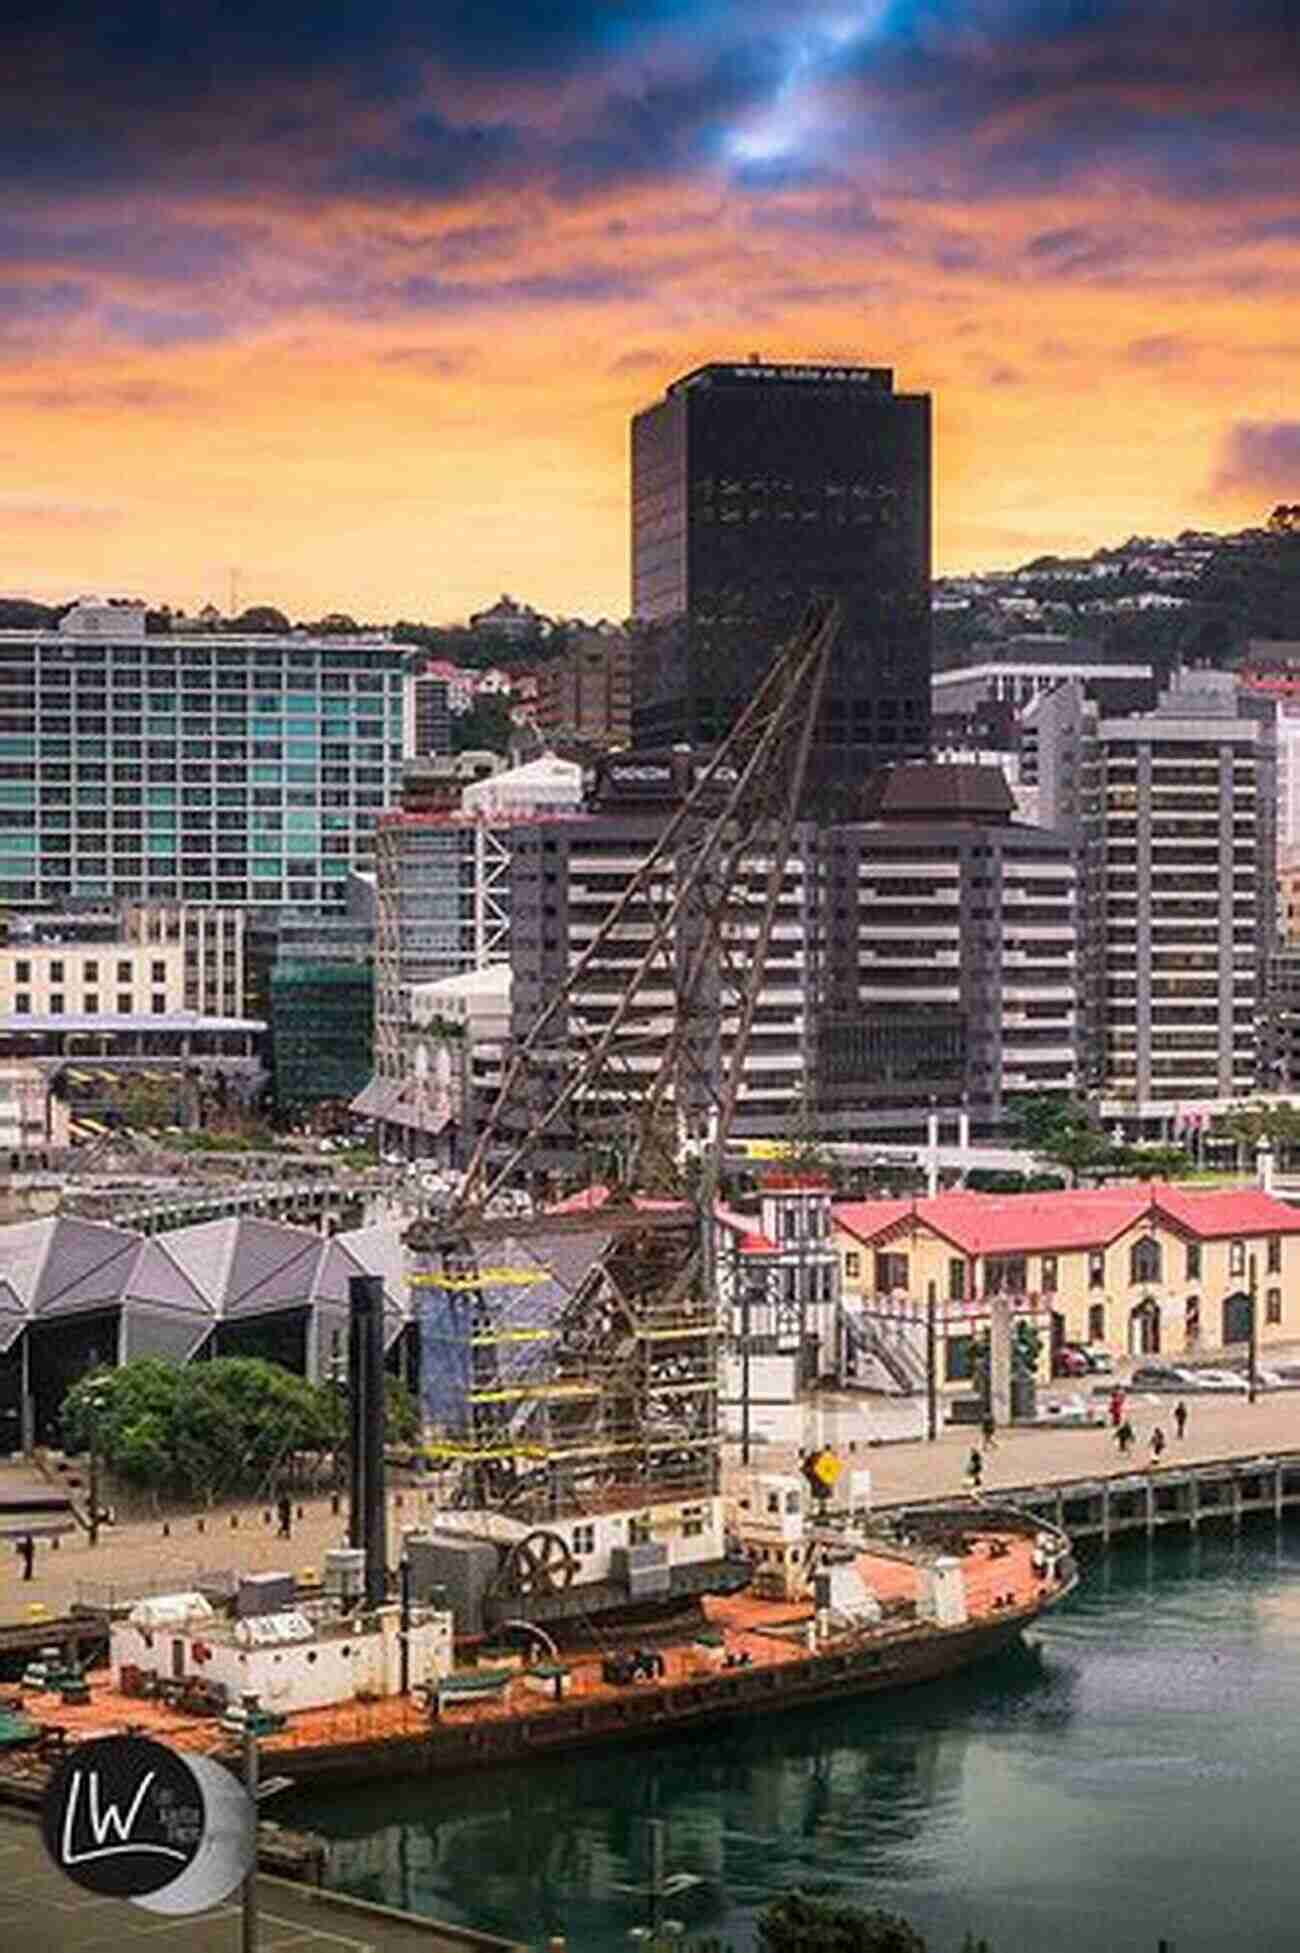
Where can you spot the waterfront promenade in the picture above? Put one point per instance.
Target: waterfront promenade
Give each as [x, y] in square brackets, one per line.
[132, 1555]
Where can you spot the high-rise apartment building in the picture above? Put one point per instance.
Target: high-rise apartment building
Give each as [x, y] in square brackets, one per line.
[1174, 812]
[754, 489]
[430, 704]
[238, 769]
[923, 957]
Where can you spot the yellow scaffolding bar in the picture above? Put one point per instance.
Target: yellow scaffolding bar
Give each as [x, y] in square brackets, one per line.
[485, 1278]
[511, 1393]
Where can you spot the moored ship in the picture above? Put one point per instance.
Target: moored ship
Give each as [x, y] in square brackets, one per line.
[883, 1611]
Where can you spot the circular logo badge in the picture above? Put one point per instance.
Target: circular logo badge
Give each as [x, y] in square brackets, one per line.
[127, 1818]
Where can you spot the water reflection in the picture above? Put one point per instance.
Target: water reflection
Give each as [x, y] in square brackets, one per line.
[852, 1794]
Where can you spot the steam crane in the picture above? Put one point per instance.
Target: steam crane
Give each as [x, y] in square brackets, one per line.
[571, 1360]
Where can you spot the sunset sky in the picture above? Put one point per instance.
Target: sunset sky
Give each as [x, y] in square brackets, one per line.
[356, 297]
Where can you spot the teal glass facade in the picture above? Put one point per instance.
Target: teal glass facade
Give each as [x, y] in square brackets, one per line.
[246, 770]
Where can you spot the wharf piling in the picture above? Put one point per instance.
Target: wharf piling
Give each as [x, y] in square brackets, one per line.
[1103, 1507]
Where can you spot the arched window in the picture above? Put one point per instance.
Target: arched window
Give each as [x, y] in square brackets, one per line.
[1144, 1260]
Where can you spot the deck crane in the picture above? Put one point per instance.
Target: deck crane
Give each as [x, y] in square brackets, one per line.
[572, 1359]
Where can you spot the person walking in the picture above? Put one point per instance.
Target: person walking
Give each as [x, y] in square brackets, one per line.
[1116, 1408]
[1124, 1438]
[1180, 1419]
[1157, 1444]
[284, 1508]
[975, 1468]
[27, 1554]
[989, 1432]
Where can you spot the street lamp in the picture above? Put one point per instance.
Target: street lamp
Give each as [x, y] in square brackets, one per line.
[96, 1404]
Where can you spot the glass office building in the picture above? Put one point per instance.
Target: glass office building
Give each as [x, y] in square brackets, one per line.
[754, 489]
[238, 769]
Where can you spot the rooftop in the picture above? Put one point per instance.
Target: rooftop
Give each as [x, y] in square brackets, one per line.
[982, 1224]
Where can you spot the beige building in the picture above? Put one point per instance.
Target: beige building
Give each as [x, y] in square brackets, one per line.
[1137, 1270]
[211, 939]
[91, 979]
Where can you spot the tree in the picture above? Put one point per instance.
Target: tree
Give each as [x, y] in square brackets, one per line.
[404, 1421]
[486, 726]
[799, 1925]
[199, 1430]
[1247, 1125]
[262, 618]
[1056, 1128]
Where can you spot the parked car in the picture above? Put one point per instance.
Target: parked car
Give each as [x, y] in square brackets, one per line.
[1100, 1361]
[1266, 1377]
[1217, 1380]
[1071, 1361]
[1161, 1376]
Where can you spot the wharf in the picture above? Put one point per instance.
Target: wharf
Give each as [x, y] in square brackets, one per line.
[1223, 1491]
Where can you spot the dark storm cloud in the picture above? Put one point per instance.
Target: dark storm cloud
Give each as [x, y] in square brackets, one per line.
[429, 159]
[1196, 99]
[1260, 454]
[139, 46]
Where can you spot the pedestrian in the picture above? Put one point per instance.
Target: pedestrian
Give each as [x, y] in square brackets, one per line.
[989, 1431]
[1180, 1418]
[284, 1507]
[1124, 1438]
[1157, 1444]
[27, 1554]
[975, 1469]
[1116, 1408]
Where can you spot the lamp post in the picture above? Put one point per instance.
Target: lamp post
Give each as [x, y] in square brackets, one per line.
[248, 1940]
[95, 1404]
[1253, 1372]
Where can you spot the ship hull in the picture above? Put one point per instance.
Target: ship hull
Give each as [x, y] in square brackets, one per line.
[870, 1666]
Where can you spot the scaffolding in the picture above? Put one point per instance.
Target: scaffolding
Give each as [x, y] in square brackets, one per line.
[571, 1363]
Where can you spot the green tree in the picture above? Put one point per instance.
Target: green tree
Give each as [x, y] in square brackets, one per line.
[799, 1925]
[402, 1416]
[486, 727]
[1247, 1125]
[264, 619]
[198, 1430]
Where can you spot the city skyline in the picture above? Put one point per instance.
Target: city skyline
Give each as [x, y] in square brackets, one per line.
[360, 307]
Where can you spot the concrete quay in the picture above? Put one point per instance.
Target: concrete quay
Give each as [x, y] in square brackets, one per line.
[137, 1557]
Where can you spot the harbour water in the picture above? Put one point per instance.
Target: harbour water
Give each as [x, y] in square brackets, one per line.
[1129, 1777]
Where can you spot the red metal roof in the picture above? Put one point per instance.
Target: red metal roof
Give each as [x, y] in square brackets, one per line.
[1082, 1218]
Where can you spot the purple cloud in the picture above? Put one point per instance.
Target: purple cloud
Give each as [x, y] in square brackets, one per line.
[1261, 455]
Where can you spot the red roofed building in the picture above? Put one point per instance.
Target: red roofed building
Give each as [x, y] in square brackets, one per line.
[1139, 1269]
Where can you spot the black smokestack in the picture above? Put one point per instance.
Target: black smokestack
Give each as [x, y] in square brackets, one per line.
[367, 1528]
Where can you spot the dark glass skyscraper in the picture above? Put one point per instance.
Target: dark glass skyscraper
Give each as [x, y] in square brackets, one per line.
[755, 488]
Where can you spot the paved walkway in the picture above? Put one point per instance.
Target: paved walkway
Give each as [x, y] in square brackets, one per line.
[1217, 1427]
[40, 1908]
[128, 1556]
